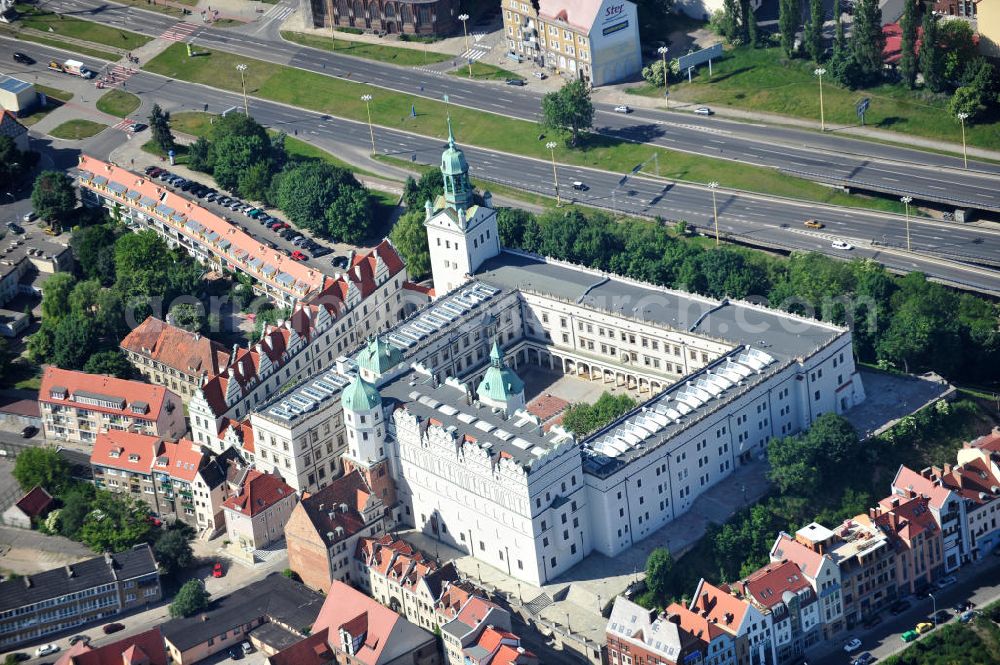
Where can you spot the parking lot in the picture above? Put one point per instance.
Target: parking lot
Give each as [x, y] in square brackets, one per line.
[265, 225]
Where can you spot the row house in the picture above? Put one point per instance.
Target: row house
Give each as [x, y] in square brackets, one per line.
[946, 506]
[169, 356]
[808, 549]
[465, 617]
[637, 636]
[142, 203]
[749, 627]
[323, 530]
[782, 592]
[177, 480]
[76, 406]
[369, 297]
[977, 479]
[402, 578]
[916, 538]
[496, 646]
[256, 516]
[717, 647]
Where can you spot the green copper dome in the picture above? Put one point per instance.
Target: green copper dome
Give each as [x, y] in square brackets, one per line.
[361, 396]
[379, 356]
[500, 382]
[454, 168]
[453, 159]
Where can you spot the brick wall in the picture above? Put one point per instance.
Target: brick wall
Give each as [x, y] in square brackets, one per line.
[307, 554]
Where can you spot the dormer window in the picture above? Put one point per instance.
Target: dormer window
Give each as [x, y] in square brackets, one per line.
[133, 457]
[140, 408]
[58, 392]
[115, 453]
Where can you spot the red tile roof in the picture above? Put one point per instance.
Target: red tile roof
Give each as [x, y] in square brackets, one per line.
[787, 548]
[694, 623]
[347, 608]
[989, 442]
[144, 453]
[260, 491]
[128, 392]
[907, 480]
[351, 490]
[768, 585]
[491, 639]
[907, 520]
[715, 603]
[474, 611]
[314, 650]
[35, 503]
[175, 347]
[509, 655]
[145, 648]
[181, 459]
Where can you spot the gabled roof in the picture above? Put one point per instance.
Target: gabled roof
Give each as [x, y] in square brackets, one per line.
[581, 14]
[134, 399]
[260, 491]
[769, 584]
[719, 605]
[35, 503]
[694, 623]
[187, 352]
[144, 453]
[314, 650]
[787, 548]
[144, 648]
[9, 124]
[905, 519]
[341, 504]
[907, 480]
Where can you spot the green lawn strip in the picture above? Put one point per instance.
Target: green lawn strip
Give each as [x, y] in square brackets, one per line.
[405, 57]
[227, 23]
[54, 93]
[764, 80]
[326, 94]
[154, 6]
[118, 103]
[484, 72]
[67, 46]
[77, 129]
[55, 97]
[180, 152]
[195, 123]
[32, 17]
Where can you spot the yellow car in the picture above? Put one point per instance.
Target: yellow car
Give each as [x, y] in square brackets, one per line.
[924, 628]
[813, 224]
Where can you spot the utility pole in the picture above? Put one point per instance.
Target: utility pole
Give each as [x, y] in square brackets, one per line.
[551, 145]
[822, 119]
[907, 200]
[965, 153]
[663, 52]
[464, 18]
[715, 210]
[367, 100]
[242, 68]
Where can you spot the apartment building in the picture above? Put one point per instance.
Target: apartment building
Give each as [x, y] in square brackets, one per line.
[324, 529]
[172, 357]
[76, 406]
[715, 645]
[402, 578]
[637, 636]
[464, 618]
[867, 562]
[596, 41]
[808, 549]
[27, 261]
[423, 17]
[256, 516]
[34, 606]
[915, 536]
[977, 479]
[748, 626]
[145, 648]
[946, 507]
[178, 480]
[782, 592]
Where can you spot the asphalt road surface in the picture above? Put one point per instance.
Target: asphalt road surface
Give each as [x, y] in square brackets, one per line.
[748, 218]
[867, 165]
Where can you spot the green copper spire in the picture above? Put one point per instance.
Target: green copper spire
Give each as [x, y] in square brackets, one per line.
[454, 168]
[360, 396]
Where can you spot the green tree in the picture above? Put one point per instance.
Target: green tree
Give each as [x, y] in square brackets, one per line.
[14, 164]
[235, 156]
[200, 155]
[753, 30]
[789, 19]
[142, 264]
[189, 316]
[56, 291]
[306, 191]
[190, 599]
[569, 109]
[94, 250]
[76, 338]
[908, 43]
[53, 197]
[746, 11]
[582, 419]
[511, 225]
[173, 548]
[349, 217]
[659, 571]
[814, 30]
[159, 125]
[410, 237]
[931, 56]
[115, 523]
[428, 188]
[41, 343]
[255, 182]
[76, 505]
[868, 41]
[43, 467]
[729, 21]
[112, 362]
[839, 41]
[958, 44]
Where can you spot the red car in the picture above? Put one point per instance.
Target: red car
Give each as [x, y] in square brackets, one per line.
[155, 521]
[299, 256]
[217, 570]
[279, 226]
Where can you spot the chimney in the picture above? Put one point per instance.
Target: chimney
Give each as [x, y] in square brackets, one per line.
[895, 501]
[704, 601]
[948, 469]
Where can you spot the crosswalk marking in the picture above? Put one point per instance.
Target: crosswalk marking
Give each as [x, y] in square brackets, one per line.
[278, 13]
[475, 53]
[179, 31]
[123, 125]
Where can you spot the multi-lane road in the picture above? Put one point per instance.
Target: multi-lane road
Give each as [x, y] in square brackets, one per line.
[833, 158]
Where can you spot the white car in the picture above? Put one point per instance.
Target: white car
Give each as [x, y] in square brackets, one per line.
[540, 76]
[852, 645]
[622, 108]
[703, 110]
[841, 244]
[46, 649]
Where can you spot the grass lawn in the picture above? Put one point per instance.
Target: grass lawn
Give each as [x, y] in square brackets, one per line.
[764, 80]
[73, 48]
[55, 99]
[77, 129]
[227, 23]
[158, 6]
[31, 17]
[483, 72]
[325, 94]
[180, 152]
[118, 102]
[195, 123]
[405, 57]
[23, 374]
[54, 93]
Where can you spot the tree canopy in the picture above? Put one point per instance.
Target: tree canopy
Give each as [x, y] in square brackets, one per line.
[173, 548]
[569, 109]
[42, 467]
[54, 197]
[115, 522]
[582, 419]
[191, 598]
[159, 125]
[410, 237]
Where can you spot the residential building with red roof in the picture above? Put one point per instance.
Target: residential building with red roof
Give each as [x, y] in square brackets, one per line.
[463, 617]
[144, 648]
[809, 550]
[173, 357]
[76, 406]
[743, 620]
[256, 516]
[403, 578]
[784, 595]
[323, 530]
[717, 645]
[637, 635]
[915, 537]
[354, 629]
[496, 646]
[946, 507]
[177, 479]
[32, 506]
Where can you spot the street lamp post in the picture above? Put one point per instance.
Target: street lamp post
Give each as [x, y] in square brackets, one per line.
[965, 154]
[663, 52]
[367, 100]
[907, 200]
[715, 211]
[935, 608]
[822, 118]
[463, 18]
[243, 81]
[551, 145]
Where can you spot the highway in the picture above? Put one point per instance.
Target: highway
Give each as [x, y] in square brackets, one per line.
[747, 218]
[927, 177]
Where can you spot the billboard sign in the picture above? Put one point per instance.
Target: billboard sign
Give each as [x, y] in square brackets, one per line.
[700, 57]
